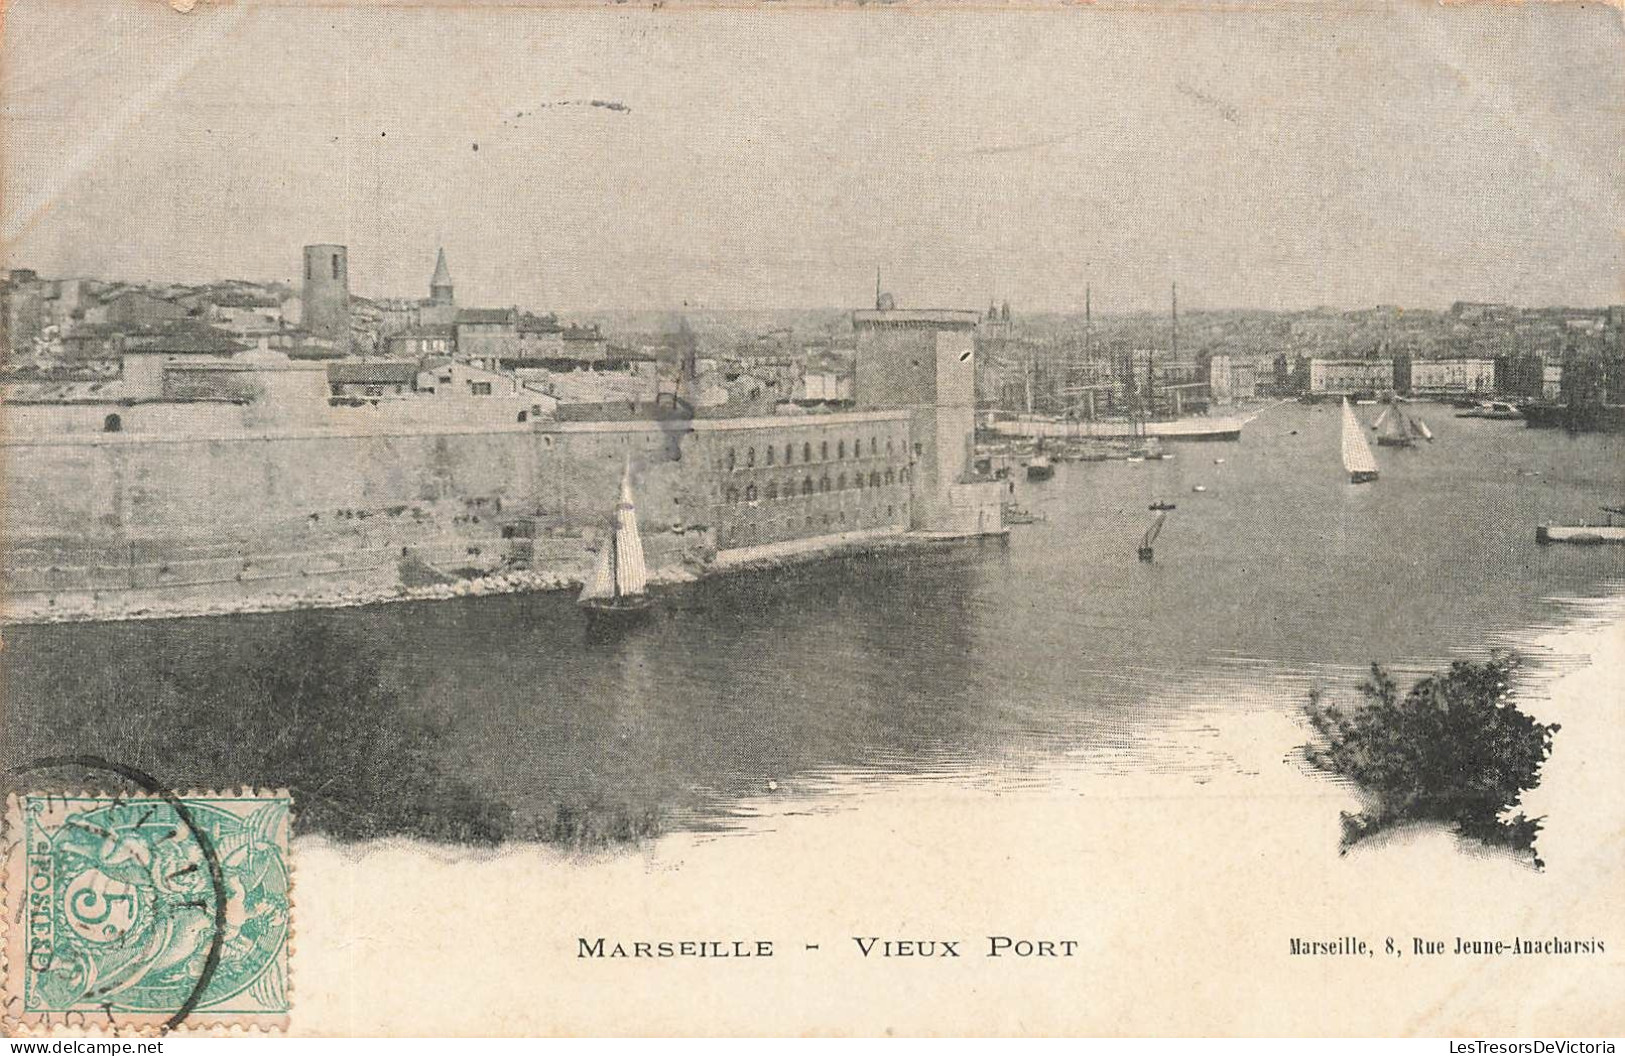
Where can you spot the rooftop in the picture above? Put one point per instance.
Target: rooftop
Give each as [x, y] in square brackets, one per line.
[484, 315]
[427, 330]
[245, 299]
[182, 339]
[539, 324]
[944, 318]
[373, 372]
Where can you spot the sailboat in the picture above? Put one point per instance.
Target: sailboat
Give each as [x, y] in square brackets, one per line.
[618, 588]
[1395, 428]
[1150, 536]
[1357, 457]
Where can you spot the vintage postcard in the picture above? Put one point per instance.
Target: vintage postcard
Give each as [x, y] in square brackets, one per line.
[812, 519]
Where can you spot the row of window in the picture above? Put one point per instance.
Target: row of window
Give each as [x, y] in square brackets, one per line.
[874, 480]
[770, 453]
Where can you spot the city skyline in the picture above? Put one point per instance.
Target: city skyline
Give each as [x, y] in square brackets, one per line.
[1262, 161]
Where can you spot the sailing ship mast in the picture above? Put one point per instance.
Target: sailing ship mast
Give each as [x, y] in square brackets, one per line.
[1088, 327]
[1395, 428]
[1392, 429]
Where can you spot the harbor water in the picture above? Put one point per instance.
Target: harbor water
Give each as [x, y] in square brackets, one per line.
[984, 666]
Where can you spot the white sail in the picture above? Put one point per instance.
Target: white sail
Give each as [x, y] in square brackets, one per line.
[1422, 427]
[1155, 530]
[630, 575]
[1357, 457]
[601, 584]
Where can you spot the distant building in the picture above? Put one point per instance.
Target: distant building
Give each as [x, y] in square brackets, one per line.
[825, 388]
[1230, 379]
[995, 326]
[371, 378]
[247, 315]
[22, 312]
[89, 343]
[146, 353]
[419, 341]
[441, 290]
[1551, 381]
[327, 293]
[1351, 377]
[1477, 311]
[538, 341]
[585, 344]
[488, 335]
[448, 379]
[1453, 377]
[136, 308]
[1519, 376]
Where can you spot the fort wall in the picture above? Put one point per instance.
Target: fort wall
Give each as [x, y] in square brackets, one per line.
[315, 510]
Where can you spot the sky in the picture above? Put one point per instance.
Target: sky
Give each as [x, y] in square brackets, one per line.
[1411, 154]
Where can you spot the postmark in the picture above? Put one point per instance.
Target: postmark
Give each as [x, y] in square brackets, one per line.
[144, 911]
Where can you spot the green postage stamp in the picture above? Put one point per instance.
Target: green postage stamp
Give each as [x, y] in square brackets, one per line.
[142, 913]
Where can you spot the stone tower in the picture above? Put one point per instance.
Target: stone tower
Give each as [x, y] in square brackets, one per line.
[440, 288]
[923, 360]
[327, 293]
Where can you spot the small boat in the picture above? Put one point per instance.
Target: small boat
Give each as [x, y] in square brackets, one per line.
[1584, 534]
[1218, 461]
[1018, 514]
[1146, 552]
[1199, 488]
[1494, 410]
[617, 593]
[1040, 467]
[1358, 460]
[1160, 505]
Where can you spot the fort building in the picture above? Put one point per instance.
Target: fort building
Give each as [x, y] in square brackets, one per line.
[252, 473]
[923, 361]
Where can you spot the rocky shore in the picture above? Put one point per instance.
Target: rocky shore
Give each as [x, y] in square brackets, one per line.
[112, 607]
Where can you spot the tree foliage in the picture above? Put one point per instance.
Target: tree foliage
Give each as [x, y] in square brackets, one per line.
[1454, 749]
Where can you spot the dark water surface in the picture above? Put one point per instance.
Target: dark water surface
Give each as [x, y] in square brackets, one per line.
[489, 717]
